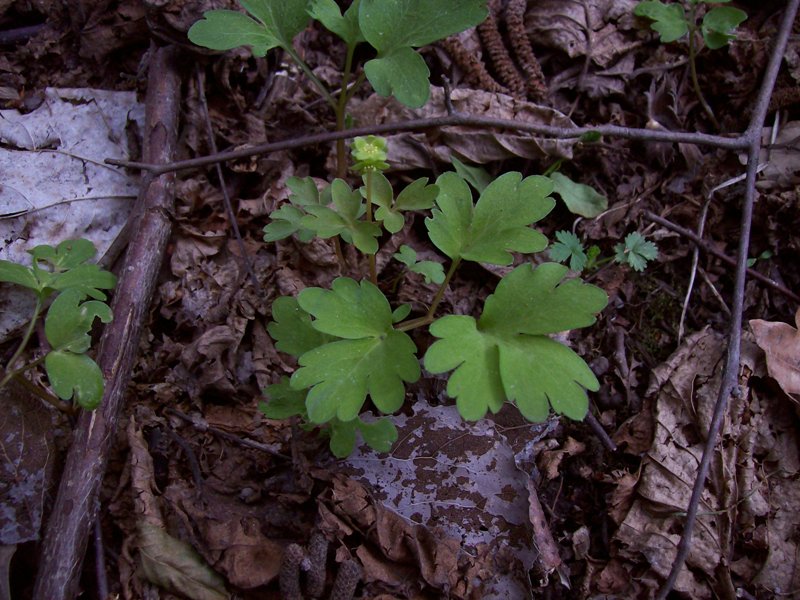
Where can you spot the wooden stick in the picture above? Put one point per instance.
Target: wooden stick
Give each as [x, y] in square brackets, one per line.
[75, 508]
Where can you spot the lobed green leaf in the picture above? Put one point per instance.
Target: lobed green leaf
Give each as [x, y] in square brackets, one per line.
[330, 15]
[580, 199]
[348, 310]
[227, 29]
[283, 402]
[506, 355]
[669, 20]
[718, 25]
[497, 225]
[75, 375]
[14, 273]
[569, 247]
[69, 320]
[291, 328]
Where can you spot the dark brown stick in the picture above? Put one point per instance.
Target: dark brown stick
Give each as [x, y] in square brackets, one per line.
[75, 507]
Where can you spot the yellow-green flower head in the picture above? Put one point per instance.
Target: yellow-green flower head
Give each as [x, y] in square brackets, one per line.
[370, 153]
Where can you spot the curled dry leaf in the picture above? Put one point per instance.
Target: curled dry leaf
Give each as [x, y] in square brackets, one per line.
[781, 344]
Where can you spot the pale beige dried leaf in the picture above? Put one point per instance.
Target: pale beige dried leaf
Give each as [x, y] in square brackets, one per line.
[781, 344]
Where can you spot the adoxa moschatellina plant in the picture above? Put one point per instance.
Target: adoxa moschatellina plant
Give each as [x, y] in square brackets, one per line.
[351, 344]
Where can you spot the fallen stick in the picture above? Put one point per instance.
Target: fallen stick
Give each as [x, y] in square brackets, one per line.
[73, 515]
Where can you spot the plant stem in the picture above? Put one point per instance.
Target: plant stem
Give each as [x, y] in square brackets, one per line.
[43, 395]
[429, 316]
[693, 65]
[442, 288]
[373, 274]
[310, 74]
[25, 339]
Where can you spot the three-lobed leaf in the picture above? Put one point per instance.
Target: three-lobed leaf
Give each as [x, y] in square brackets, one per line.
[430, 270]
[506, 355]
[718, 25]
[291, 328]
[378, 435]
[372, 358]
[276, 23]
[343, 219]
[418, 195]
[394, 27]
[344, 25]
[636, 251]
[494, 227]
[569, 247]
[70, 319]
[669, 20]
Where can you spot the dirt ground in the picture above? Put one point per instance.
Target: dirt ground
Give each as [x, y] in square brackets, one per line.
[206, 498]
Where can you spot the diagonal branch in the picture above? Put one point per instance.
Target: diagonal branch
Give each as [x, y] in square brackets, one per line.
[76, 504]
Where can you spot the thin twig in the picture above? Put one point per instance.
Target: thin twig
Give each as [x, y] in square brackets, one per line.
[212, 143]
[455, 120]
[730, 374]
[100, 559]
[691, 236]
[601, 434]
[701, 226]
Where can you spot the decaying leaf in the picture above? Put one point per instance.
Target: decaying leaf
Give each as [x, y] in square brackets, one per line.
[781, 343]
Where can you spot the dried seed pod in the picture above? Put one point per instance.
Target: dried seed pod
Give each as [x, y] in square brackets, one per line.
[475, 72]
[289, 577]
[344, 588]
[316, 557]
[518, 38]
[493, 42]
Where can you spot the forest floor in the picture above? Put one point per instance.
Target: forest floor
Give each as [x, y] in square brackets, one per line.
[446, 513]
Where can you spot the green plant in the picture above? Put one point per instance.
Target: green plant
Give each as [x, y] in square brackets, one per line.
[63, 271]
[393, 29]
[672, 22]
[350, 344]
[635, 252]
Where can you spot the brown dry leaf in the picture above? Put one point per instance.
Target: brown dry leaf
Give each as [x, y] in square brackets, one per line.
[474, 145]
[781, 343]
[550, 460]
[583, 28]
[175, 566]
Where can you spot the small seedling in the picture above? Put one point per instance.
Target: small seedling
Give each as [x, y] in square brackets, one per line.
[765, 255]
[63, 271]
[635, 252]
[672, 23]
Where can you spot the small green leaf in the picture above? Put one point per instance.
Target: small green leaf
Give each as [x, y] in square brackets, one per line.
[69, 320]
[343, 219]
[67, 255]
[636, 251]
[580, 199]
[506, 354]
[291, 328]
[669, 20]
[226, 29]
[477, 177]
[591, 137]
[418, 195]
[497, 225]
[75, 374]
[87, 278]
[343, 437]
[569, 247]
[13, 273]
[718, 25]
[379, 434]
[401, 312]
[394, 28]
[283, 402]
[346, 27]
[304, 191]
[285, 221]
[406, 255]
[430, 270]
[401, 73]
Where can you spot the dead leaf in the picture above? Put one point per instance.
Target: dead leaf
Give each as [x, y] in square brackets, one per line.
[175, 566]
[781, 343]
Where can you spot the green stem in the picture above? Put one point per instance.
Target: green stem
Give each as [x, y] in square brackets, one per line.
[310, 74]
[373, 272]
[429, 316]
[693, 67]
[25, 339]
[35, 390]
